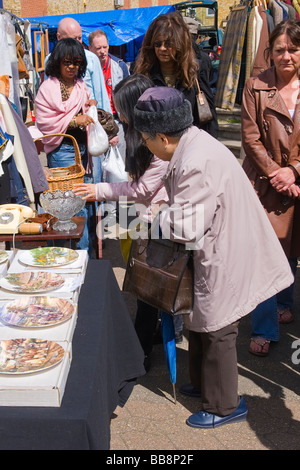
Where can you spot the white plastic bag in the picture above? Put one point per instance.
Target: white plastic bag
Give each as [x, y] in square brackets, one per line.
[113, 167]
[96, 136]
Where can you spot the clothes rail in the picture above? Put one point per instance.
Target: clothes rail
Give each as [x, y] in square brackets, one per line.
[2, 11]
[21, 20]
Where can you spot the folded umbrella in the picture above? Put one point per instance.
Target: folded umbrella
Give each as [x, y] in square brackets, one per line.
[168, 336]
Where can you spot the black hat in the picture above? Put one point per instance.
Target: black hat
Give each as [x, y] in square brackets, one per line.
[162, 109]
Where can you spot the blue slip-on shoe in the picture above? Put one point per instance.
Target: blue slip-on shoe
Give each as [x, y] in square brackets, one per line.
[202, 419]
[190, 391]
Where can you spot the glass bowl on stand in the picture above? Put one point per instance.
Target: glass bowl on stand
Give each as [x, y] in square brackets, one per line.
[63, 205]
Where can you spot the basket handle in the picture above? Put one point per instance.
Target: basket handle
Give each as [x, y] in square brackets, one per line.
[74, 141]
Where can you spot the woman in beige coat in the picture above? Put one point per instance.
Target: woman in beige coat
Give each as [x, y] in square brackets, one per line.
[238, 261]
[270, 138]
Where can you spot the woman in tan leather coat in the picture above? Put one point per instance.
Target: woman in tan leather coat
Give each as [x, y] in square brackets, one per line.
[270, 138]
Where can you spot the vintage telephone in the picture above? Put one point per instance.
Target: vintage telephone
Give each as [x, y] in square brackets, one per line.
[12, 215]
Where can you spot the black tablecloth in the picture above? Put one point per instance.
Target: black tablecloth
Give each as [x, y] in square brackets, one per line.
[107, 358]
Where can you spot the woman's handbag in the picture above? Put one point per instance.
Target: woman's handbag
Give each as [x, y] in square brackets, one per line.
[204, 111]
[108, 123]
[160, 273]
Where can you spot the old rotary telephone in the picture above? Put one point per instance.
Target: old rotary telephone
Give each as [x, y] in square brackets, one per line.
[12, 215]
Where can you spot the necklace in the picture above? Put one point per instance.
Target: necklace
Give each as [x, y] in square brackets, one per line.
[65, 88]
[170, 79]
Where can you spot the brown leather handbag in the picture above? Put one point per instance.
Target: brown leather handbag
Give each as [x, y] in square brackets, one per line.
[204, 111]
[160, 273]
[108, 123]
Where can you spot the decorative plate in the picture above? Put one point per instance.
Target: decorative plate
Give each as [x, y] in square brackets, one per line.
[39, 281]
[48, 256]
[3, 256]
[36, 312]
[23, 356]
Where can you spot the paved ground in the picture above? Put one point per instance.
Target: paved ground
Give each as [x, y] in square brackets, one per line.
[151, 421]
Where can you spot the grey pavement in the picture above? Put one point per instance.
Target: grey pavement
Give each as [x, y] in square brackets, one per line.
[150, 420]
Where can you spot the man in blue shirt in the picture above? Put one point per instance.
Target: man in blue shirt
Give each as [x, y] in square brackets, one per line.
[70, 28]
[114, 70]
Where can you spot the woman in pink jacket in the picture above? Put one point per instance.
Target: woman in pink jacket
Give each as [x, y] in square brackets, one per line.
[145, 169]
[146, 189]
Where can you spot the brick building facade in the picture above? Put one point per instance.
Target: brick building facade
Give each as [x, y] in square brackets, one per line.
[29, 8]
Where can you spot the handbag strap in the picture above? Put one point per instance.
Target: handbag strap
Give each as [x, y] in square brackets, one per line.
[200, 97]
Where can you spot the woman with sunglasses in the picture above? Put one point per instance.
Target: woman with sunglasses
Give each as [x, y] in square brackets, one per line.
[61, 104]
[168, 58]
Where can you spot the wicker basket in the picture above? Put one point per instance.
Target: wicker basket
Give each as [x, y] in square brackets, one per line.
[67, 176]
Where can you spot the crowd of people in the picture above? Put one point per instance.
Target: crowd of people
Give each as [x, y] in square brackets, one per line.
[173, 159]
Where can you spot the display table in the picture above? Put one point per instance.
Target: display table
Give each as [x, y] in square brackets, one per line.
[41, 239]
[107, 358]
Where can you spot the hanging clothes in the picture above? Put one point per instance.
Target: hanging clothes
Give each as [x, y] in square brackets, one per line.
[9, 61]
[37, 175]
[253, 34]
[291, 10]
[23, 50]
[5, 62]
[244, 44]
[297, 7]
[231, 58]
[261, 62]
[25, 155]
[6, 149]
[276, 11]
[270, 21]
[285, 11]
[23, 72]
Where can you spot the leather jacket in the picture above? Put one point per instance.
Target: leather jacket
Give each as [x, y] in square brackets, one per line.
[270, 141]
[190, 94]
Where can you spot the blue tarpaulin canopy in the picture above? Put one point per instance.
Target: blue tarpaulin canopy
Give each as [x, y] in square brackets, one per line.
[121, 26]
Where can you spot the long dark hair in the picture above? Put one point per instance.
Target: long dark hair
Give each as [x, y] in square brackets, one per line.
[169, 27]
[66, 48]
[125, 96]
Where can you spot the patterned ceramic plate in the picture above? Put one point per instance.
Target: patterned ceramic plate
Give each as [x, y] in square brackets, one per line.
[39, 281]
[48, 256]
[36, 312]
[3, 256]
[23, 356]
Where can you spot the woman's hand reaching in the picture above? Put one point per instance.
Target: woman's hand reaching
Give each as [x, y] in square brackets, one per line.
[86, 190]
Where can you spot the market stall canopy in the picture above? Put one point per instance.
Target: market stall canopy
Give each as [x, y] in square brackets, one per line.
[121, 26]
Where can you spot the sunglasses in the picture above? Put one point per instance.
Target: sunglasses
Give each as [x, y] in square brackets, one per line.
[144, 141]
[167, 44]
[75, 62]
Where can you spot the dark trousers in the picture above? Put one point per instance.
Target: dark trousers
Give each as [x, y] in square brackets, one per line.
[146, 322]
[145, 325]
[213, 368]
